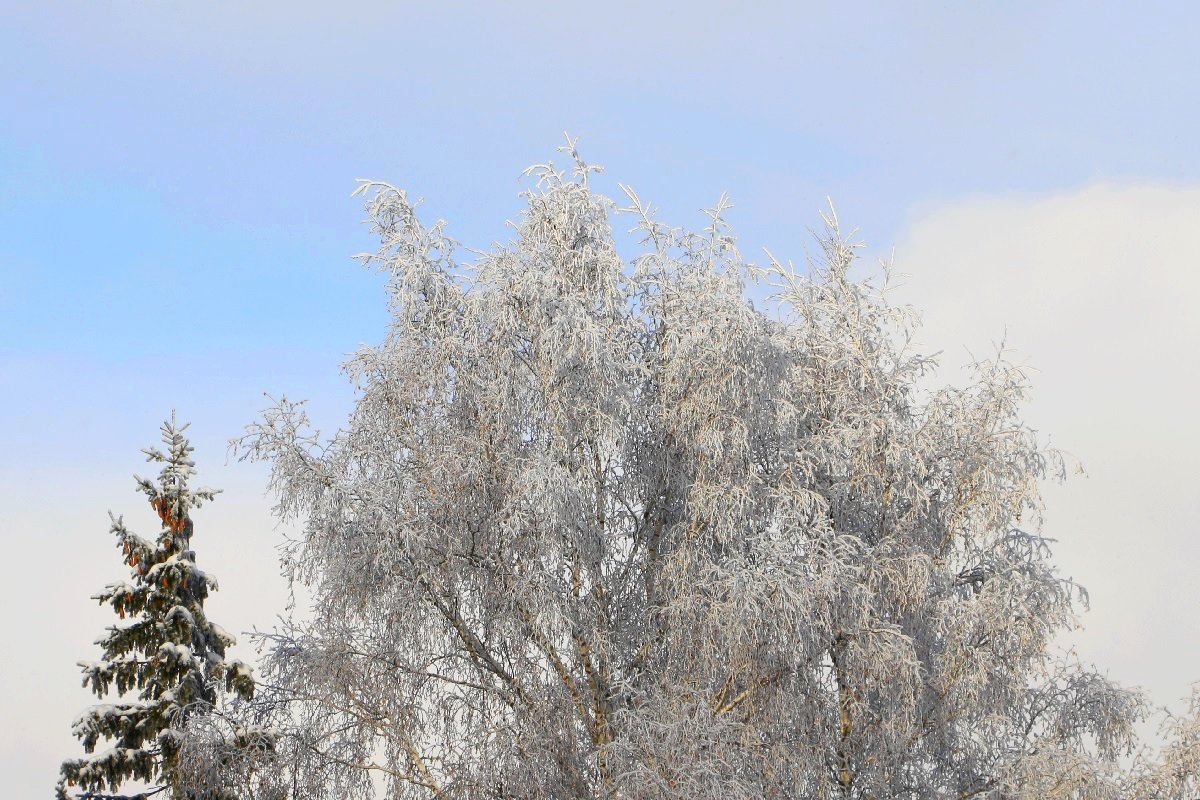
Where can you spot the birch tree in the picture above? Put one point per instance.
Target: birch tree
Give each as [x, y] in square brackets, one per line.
[670, 525]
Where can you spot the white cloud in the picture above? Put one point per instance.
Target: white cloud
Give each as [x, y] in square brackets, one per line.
[1097, 290]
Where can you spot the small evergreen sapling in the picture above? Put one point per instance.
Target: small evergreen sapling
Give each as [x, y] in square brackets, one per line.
[171, 654]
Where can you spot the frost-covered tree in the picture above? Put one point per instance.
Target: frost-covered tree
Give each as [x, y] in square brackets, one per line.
[601, 527]
[1175, 773]
[167, 663]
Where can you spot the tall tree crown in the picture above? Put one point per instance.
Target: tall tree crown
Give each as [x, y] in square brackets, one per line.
[171, 655]
[601, 527]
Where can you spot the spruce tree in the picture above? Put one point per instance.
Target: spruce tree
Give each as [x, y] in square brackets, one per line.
[171, 655]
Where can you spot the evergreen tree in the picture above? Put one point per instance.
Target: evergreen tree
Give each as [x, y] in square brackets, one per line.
[171, 654]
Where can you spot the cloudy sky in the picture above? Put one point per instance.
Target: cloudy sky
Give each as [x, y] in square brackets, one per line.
[176, 232]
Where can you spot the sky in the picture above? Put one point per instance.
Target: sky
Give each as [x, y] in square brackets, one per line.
[176, 232]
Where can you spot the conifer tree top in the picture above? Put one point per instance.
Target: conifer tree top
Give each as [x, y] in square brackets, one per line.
[167, 664]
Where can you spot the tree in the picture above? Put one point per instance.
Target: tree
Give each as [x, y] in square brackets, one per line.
[600, 527]
[171, 653]
[1175, 773]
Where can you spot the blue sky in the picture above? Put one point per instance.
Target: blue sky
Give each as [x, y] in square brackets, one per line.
[191, 162]
[177, 226]
[155, 152]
